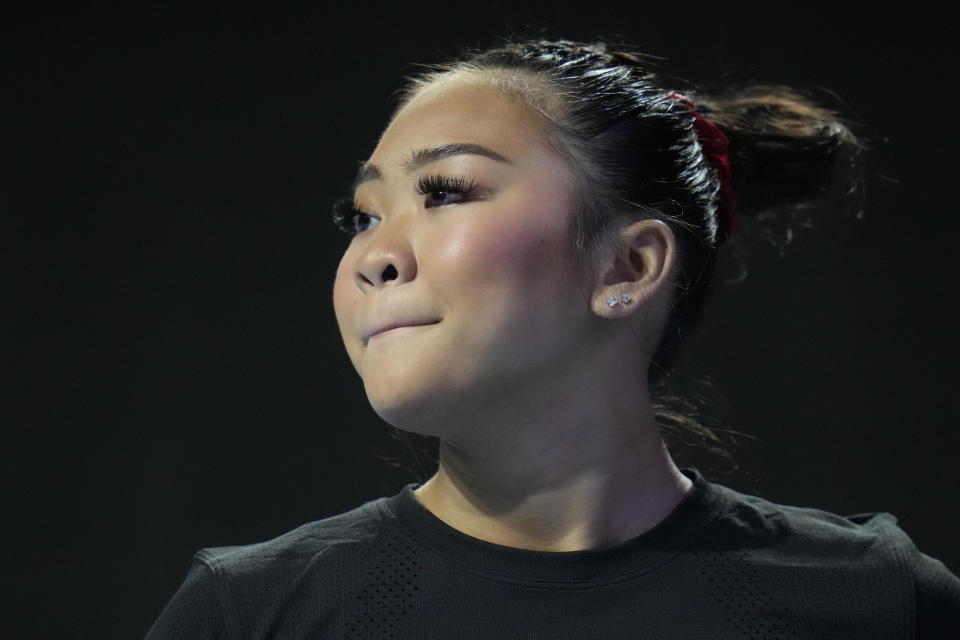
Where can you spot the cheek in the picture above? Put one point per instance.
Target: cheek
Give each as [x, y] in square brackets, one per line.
[504, 263]
[522, 239]
[345, 296]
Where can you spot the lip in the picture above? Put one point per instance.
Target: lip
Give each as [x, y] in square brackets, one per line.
[396, 325]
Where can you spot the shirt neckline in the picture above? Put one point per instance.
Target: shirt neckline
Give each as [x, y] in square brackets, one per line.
[640, 554]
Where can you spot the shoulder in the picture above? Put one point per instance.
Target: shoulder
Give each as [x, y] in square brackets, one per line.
[242, 591]
[314, 543]
[865, 553]
[814, 531]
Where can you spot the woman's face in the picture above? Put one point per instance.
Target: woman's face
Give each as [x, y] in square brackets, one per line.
[459, 289]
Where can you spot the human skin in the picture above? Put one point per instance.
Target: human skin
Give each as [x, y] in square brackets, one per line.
[507, 350]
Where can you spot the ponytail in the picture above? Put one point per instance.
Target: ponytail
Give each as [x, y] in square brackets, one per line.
[784, 148]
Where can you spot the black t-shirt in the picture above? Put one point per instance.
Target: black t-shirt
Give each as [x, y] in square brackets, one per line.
[722, 565]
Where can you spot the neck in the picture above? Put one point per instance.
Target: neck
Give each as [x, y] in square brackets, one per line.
[586, 487]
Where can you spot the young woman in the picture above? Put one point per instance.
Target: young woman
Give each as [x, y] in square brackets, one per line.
[532, 237]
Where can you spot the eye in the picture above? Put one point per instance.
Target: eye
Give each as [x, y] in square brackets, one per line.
[350, 219]
[444, 190]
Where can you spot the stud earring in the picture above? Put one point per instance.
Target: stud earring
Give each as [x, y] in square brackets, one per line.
[625, 298]
[612, 301]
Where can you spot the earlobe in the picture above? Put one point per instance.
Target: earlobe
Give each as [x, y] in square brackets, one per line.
[634, 268]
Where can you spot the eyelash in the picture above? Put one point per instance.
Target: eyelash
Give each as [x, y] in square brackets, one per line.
[432, 185]
[346, 214]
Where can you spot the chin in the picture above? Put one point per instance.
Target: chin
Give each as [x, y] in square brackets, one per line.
[422, 413]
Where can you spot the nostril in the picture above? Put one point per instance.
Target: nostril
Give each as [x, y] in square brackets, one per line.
[390, 273]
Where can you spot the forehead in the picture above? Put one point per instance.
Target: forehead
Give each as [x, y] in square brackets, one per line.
[463, 110]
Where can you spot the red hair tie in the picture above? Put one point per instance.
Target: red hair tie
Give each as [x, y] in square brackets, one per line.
[716, 149]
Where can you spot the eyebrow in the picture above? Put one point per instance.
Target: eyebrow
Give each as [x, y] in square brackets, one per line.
[420, 157]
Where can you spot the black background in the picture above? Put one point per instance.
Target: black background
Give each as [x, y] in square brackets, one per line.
[172, 364]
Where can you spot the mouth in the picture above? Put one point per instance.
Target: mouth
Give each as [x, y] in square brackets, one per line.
[395, 328]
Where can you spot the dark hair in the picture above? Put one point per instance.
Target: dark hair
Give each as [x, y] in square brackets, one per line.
[633, 144]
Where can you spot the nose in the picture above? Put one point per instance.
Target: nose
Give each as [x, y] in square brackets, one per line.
[388, 260]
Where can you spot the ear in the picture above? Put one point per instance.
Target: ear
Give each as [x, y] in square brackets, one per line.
[634, 268]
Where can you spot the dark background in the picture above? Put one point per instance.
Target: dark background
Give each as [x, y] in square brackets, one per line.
[173, 369]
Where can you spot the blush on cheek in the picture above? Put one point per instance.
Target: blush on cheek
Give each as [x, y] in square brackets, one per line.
[508, 277]
[518, 247]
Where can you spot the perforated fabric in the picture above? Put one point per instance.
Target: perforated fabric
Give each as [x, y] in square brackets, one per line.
[722, 565]
[388, 593]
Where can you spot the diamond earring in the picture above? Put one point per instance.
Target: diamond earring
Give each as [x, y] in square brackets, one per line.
[612, 301]
[625, 298]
